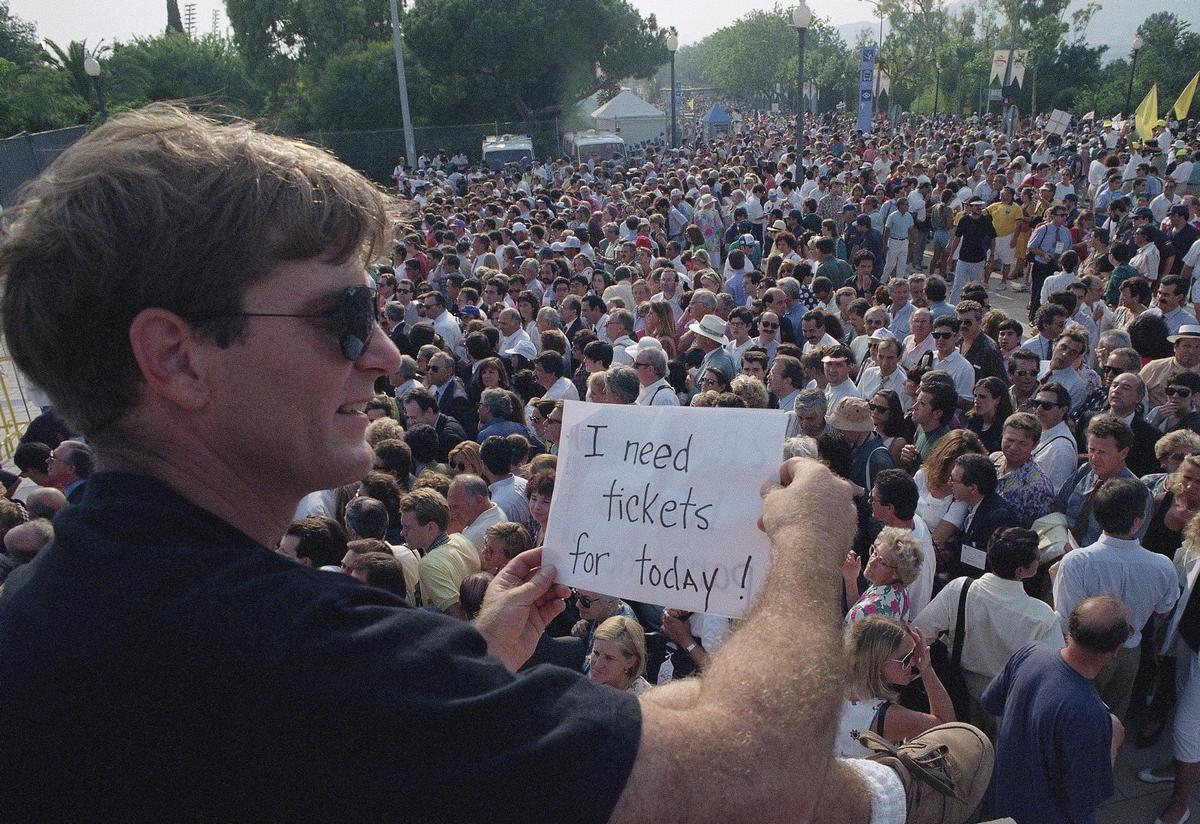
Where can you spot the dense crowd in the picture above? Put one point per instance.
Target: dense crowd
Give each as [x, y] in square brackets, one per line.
[1024, 487]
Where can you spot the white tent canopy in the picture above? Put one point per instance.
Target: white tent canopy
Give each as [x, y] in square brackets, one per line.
[631, 117]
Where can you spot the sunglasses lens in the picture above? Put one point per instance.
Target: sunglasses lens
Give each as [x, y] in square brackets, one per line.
[355, 318]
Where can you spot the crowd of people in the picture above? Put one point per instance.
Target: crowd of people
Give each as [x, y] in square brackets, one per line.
[1024, 546]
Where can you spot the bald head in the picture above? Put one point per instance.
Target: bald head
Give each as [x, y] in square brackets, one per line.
[45, 502]
[1099, 625]
[23, 541]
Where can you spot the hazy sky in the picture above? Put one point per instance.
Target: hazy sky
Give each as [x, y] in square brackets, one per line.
[109, 20]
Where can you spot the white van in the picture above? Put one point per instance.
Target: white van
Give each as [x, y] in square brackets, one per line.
[604, 145]
[499, 150]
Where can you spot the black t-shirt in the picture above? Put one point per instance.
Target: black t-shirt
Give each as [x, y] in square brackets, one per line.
[976, 234]
[157, 664]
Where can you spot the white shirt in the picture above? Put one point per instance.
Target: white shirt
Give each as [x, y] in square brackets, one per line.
[845, 389]
[659, 393]
[1175, 318]
[447, 326]
[913, 350]
[961, 370]
[1001, 619]
[920, 590]
[871, 381]
[475, 532]
[562, 390]
[1145, 581]
[1147, 261]
[826, 340]
[1056, 455]
[1057, 283]
[509, 495]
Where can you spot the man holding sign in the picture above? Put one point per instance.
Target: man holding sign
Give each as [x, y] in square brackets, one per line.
[223, 665]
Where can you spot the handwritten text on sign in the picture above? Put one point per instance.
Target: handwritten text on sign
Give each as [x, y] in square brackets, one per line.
[660, 504]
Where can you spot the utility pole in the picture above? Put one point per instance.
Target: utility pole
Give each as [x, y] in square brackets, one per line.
[410, 142]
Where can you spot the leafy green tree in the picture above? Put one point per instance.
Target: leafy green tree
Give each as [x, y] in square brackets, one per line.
[533, 57]
[70, 62]
[18, 39]
[174, 21]
[173, 66]
[36, 98]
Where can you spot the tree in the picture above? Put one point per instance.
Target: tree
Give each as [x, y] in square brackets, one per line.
[503, 52]
[172, 66]
[71, 63]
[36, 98]
[18, 39]
[174, 21]
[298, 32]
[758, 51]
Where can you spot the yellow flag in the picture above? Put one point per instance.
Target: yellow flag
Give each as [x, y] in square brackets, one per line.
[1184, 101]
[1147, 114]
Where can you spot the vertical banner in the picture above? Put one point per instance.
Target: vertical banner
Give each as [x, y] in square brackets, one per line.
[999, 66]
[866, 84]
[661, 504]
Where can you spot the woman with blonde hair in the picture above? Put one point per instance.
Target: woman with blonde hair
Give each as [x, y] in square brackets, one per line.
[464, 458]
[880, 656]
[894, 563]
[618, 656]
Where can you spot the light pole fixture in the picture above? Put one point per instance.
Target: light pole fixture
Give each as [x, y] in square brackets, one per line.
[672, 47]
[801, 19]
[1138, 42]
[91, 67]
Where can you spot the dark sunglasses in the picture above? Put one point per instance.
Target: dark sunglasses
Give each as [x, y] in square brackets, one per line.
[769, 325]
[1047, 405]
[461, 467]
[1178, 391]
[352, 319]
[1025, 373]
[583, 600]
[880, 408]
[1112, 370]
[943, 335]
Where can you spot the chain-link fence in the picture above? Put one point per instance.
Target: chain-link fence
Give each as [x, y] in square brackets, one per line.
[374, 153]
[23, 156]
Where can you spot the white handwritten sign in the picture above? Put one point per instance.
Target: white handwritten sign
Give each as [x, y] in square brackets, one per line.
[661, 504]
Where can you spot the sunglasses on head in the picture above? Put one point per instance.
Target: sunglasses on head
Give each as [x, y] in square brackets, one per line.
[352, 318]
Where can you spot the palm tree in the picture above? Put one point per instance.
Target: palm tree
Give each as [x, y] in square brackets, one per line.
[71, 62]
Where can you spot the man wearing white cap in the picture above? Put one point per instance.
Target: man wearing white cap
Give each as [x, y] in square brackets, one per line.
[650, 363]
[710, 339]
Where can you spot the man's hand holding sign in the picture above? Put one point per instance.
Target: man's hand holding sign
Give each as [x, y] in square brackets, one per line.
[654, 505]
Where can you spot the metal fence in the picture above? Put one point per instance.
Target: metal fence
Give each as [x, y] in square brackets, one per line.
[23, 156]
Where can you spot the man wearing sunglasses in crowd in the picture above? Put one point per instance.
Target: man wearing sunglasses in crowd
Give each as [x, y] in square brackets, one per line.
[188, 669]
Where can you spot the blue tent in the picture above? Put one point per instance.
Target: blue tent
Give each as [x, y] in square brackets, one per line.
[717, 121]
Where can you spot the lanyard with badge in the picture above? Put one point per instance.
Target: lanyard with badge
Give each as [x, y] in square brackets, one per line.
[971, 555]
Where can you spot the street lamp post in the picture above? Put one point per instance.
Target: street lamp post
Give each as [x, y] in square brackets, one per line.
[1138, 42]
[91, 66]
[410, 143]
[937, 84]
[672, 47]
[801, 20]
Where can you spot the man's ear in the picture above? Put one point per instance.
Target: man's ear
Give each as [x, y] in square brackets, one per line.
[169, 354]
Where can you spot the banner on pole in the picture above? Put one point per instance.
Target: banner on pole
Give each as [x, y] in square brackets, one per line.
[999, 66]
[1184, 102]
[866, 83]
[1020, 59]
[650, 505]
[1146, 114]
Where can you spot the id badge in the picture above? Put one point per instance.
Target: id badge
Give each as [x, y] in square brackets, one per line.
[972, 556]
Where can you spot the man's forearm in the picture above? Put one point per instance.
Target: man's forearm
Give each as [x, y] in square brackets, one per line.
[767, 707]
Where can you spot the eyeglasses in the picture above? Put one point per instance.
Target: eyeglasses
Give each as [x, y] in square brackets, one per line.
[715, 382]
[639, 364]
[878, 557]
[769, 325]
[434, 368]
[554, 420]
[1113, 370]
[1178, 391]
[353, 318]
[943, 335]
[906, 661]
[1025, 373]
[880, 408]
[458, 465]
[583, 600]
[966, 323]
[1047, 405]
